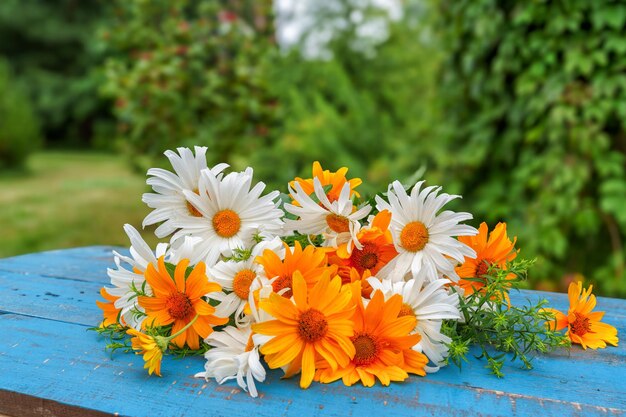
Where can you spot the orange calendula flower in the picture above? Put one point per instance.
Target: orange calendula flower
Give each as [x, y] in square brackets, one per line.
[366, 288]
[315, 325]
[109, 311]
[493, 248]
[376, 251]
[177, 301]
[335, 179]
[147, 346]
[310, 262]
[382, 343]
[583, 325]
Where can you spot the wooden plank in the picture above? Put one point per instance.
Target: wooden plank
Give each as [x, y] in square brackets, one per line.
[27, 405]
[51, 298]
[54, 360]
[70, 367]
[83, 264]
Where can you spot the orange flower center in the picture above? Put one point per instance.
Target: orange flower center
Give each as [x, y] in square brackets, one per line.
[241, 283]
[283, 281]
[367, 349]
[406, 310]
[338, 224]
[226, 223]
[482, 268]
[366, 258]
[369, 260]
[414, 236]
[580, 326]
[312, 325]
[178, 305]
[192, 210]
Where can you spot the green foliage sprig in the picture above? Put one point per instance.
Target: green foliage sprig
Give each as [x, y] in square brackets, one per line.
[496, 327]
[118, 340]
[304, 240]
[115, 337]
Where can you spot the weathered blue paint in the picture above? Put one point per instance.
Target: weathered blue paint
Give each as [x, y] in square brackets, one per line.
[51, 298]
[46, 352]
[83, 264]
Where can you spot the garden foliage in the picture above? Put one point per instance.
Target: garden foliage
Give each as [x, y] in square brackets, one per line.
[19, 131]
[191, 72]
[534, 99]
[55, 55]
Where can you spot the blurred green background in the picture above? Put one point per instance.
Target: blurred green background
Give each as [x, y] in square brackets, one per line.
[518, 106]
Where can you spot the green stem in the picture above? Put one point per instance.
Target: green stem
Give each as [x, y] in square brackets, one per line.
[178, 333]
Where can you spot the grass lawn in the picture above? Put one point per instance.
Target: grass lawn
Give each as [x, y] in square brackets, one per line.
[69, 199]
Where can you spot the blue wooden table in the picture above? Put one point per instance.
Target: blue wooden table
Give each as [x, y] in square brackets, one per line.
[50, 365]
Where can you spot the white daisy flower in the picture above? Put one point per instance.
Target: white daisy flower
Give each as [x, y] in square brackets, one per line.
[238, 278]
[234, 356]
[232, 214]
[183, 249]
[424, 237]
[338, 221]
[168, 200]
[430, 303]
[126, 281]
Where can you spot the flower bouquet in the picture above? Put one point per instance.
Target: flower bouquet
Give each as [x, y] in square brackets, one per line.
[323, 283]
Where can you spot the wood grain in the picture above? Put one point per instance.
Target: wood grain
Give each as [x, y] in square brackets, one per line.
[50, 364]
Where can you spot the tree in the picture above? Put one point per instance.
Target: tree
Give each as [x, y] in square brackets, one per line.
[54, 53]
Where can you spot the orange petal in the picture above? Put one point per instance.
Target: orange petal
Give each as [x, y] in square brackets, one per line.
[179, 274]
[273, 328]
[300, 291]
[308, 366]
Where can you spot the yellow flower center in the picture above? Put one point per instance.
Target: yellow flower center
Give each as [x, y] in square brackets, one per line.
[178, 305]
[192, 210]
[337, 223]
[406, 310]
[241, 283]
[580, 326]
[226, 223]
[367, 349]
[312, 325]
[414, 236]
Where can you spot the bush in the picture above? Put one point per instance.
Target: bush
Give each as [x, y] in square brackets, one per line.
[535, 114]
[191, 73]
[19, 128]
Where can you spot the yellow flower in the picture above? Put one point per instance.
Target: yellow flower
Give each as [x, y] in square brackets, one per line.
[315, 325]
[383, 344]
[311, 262]
[150, 349]
[583, 325]
[493, 248]
[335, 180]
